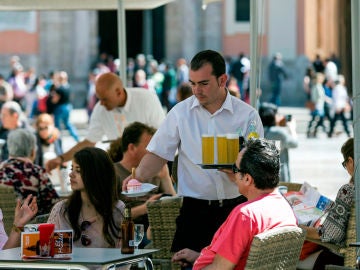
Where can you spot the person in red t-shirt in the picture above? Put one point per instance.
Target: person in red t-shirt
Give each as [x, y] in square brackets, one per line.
[256, 173]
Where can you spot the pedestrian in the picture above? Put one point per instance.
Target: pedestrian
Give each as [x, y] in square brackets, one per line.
[208, 195]
[340, 105]
[62, 105]
[117, 107]
[277, 74]
[318, 98]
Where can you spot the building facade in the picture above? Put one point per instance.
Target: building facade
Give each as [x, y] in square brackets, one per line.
[71, 40]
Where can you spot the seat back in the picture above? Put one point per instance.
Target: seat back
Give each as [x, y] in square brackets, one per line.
[278, 248]
[7, 205]
[350, 252]
[162, 216]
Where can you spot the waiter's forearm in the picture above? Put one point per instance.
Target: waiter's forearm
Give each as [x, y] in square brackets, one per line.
[149, 166]
[68, 155]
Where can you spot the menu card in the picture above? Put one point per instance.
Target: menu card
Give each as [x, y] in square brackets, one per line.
[308, 204]
[61, 244]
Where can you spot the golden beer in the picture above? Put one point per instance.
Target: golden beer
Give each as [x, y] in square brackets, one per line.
[222, 152]
[207, 149]
[232, 147]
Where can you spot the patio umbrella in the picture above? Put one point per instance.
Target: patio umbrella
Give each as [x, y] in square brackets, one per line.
[355, 40]
[119, 5]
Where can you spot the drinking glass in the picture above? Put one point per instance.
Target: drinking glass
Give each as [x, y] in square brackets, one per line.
[138, 235]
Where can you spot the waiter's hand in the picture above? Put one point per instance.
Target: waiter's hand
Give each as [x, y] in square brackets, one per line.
[229, 173]
[52, 164]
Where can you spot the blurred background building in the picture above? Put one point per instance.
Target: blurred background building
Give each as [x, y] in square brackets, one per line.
[74, 40]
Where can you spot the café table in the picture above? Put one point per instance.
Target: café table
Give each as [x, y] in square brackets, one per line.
[82, 258]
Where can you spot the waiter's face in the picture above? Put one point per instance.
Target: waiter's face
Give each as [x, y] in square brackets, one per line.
[207, 88]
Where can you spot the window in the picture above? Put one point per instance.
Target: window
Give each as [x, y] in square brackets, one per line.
[242, 10]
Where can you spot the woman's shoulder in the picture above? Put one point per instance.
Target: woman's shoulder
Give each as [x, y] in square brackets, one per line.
[346, 193]
[118, 211]
[59, 206]
[119, 206]
[348, 187]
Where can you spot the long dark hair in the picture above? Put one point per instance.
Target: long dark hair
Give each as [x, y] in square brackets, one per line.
[98, 175]
[347, 150]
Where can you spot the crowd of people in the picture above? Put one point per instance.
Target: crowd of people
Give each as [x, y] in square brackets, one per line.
[328, 97]
[145, 138]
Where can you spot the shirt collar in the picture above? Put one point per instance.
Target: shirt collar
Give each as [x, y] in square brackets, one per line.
[126, 107]
[227, 105]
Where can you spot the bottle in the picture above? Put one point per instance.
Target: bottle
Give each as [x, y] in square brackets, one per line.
[252, 131]
[127, 233]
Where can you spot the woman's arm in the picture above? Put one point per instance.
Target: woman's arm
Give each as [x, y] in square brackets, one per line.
[23, 214]
[311, 232]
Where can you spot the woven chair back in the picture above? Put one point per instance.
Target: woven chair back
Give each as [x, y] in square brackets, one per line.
[7, 205]
[278, 248]
[162, 219]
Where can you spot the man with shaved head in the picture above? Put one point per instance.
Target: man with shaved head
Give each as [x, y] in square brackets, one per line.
[117, 107]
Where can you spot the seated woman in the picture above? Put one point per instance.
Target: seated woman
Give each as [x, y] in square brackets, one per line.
[92, 210]
[333, 227]
[24, 212]
[26, 177]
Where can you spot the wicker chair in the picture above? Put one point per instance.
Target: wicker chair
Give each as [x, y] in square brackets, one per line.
[347, 251]
[7, 205]
[162, 215]
[337, 267]
[278, 248]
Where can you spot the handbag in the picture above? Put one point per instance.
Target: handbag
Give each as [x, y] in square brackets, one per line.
[310, 105]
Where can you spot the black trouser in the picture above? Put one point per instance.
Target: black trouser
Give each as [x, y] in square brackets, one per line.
[199, 220]
[327, 257]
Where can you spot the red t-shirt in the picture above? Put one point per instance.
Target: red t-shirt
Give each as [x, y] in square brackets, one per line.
[233, 239]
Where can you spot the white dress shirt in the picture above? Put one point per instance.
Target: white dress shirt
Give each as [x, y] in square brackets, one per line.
[141, 105]
[182, 130]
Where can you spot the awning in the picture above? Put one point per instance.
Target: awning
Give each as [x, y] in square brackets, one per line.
[19, 5]
[119, 5]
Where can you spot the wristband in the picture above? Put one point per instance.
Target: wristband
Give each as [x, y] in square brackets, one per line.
[17, 229]
[320, 231]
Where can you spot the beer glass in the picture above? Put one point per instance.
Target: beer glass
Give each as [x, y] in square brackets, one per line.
[222, 149]
[207, 149]
[232, 147]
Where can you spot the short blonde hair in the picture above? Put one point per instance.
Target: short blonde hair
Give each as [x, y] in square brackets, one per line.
[44, 118]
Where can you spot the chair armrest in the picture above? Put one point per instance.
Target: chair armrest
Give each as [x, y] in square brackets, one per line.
[332, 247]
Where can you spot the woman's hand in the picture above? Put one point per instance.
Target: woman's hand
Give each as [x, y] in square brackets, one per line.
[26, 211]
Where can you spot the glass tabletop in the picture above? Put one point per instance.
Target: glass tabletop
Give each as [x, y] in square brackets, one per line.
[88, 256]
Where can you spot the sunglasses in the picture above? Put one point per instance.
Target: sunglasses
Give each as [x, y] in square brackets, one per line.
[236, 169]
[85, 239]
[344, 163]
[43, 128]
